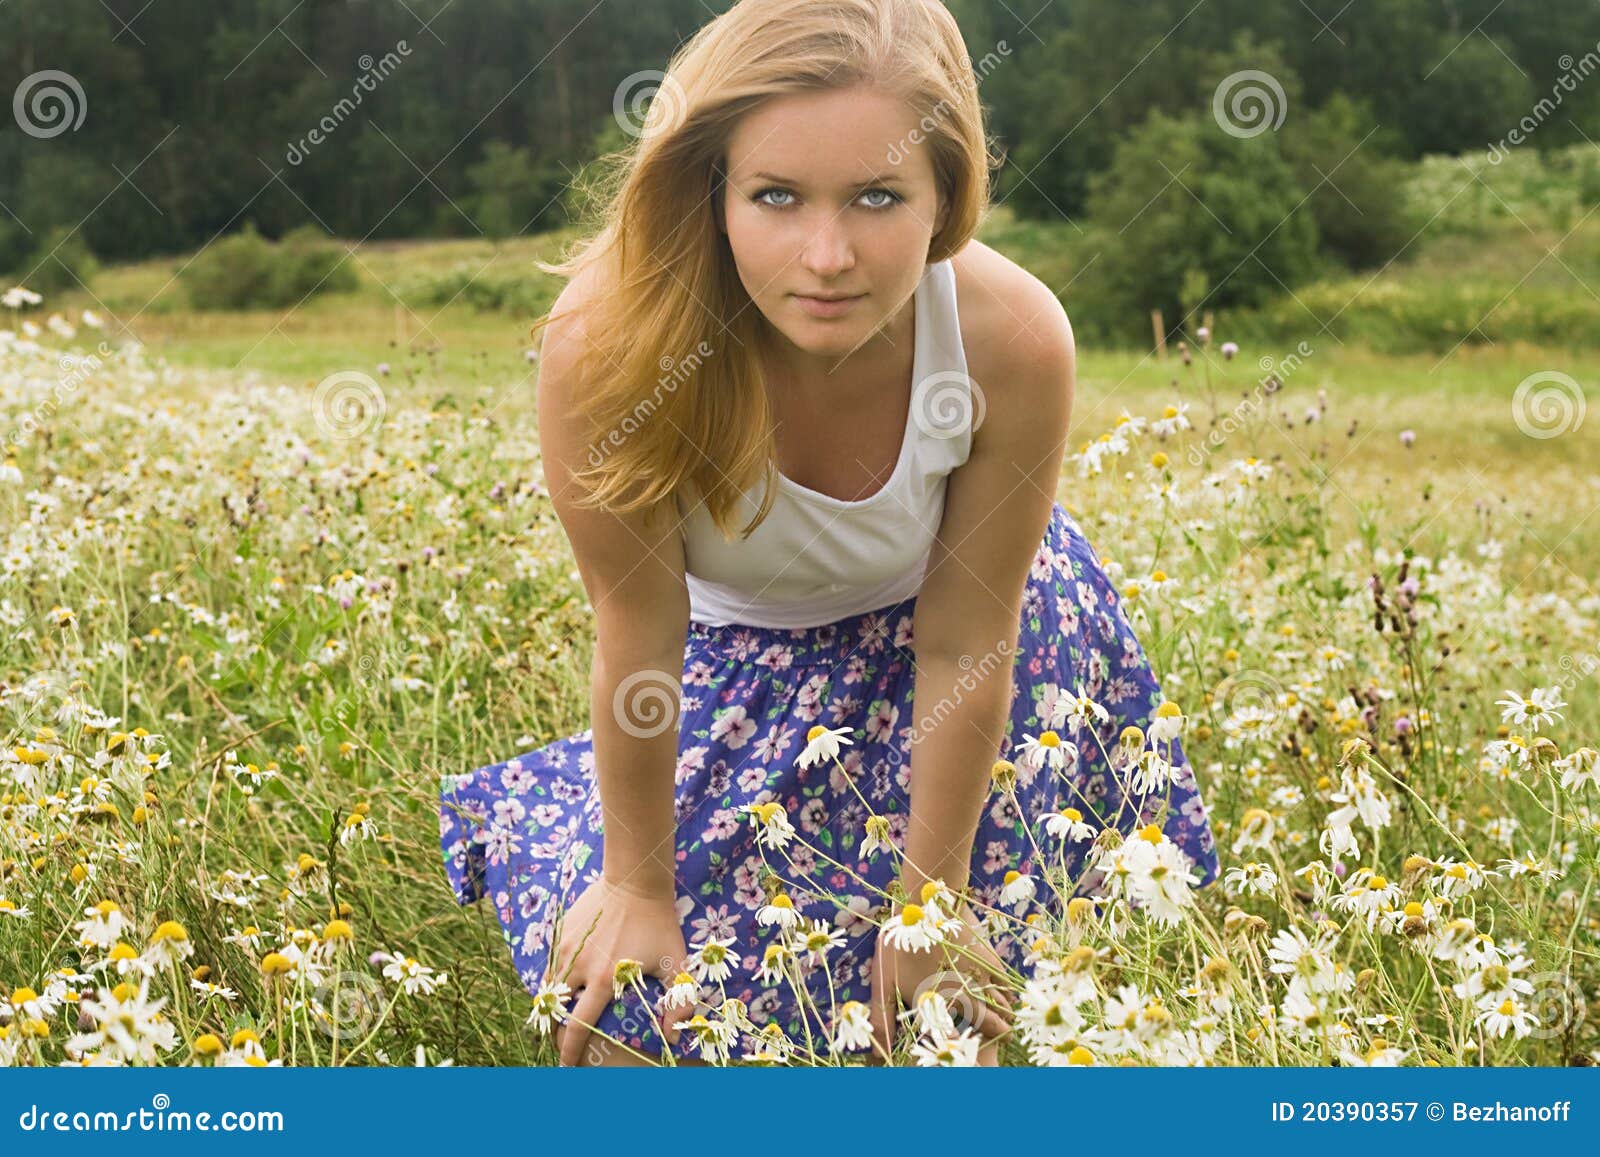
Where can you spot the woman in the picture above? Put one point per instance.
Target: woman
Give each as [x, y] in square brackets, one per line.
[805, 436]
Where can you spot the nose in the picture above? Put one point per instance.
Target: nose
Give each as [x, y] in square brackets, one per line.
[828, 251]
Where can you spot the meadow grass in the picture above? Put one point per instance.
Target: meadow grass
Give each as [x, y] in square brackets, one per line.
[250, 625]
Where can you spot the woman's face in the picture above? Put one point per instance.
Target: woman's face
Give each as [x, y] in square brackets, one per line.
[830, 194]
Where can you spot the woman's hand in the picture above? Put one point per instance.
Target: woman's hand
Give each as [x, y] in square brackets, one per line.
[963, 968]
[611, 922]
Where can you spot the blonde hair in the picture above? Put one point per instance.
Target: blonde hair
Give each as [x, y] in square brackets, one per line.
[673, 338]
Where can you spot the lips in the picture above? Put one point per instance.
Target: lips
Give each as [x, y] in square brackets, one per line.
[834, 306]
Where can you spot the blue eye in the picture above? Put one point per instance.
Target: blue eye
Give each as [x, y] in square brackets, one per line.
[761, 198]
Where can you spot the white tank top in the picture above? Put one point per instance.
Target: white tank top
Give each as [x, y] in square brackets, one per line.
[816, 558]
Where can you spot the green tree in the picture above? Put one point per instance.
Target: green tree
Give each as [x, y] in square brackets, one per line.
[1355, 189]
[1184, 200]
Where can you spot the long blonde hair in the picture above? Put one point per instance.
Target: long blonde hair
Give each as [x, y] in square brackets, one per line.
[673, 338]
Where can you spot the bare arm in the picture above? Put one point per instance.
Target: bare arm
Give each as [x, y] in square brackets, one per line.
[966, 623]
[632, 568]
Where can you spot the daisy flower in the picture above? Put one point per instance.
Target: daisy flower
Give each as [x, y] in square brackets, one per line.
[912, 930]
[774, 828]
[1506, 1015]
[853, 1032]
[1047, 749]
[877, 839]
[1076, 711]
[1016, 888]
[774, 961]
[1251, 877]
[549, 1005]
[950, 1052]
[1153, 775]
[625, 972]
[710, 960]
[1535, 709]
[819, 939]
[414, 977]
[683, 992]
[169, 943]
[104, 926]
[1068, 824]
[1580, 769]
[821, 744]
[780, 911]
[357, 826]
[714, 1038]
[1167, 723]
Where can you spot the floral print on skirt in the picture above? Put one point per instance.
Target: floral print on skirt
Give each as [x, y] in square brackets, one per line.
[526, 833]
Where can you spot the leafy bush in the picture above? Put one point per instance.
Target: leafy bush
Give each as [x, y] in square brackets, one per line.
[1189, 215]
[1480, 192]
[245, 271]
[62, 261]
[527, 295]
[1399, 317]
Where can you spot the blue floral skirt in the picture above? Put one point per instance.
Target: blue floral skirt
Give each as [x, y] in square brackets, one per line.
[526, 832]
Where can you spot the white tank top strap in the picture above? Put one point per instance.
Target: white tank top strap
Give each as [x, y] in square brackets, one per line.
[943, 397]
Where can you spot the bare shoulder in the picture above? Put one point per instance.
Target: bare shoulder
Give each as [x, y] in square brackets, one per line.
[1016, 334]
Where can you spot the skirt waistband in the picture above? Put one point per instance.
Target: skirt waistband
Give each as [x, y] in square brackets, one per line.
[864, 633]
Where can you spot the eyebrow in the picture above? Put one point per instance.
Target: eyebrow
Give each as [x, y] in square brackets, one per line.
[886, 179]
